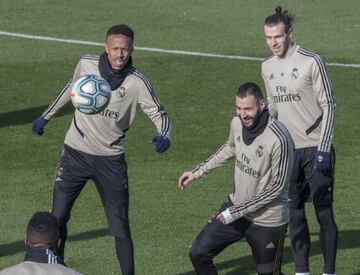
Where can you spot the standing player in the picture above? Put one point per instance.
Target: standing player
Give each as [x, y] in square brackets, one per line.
[94, 144]
[257, 209]
[300, 94]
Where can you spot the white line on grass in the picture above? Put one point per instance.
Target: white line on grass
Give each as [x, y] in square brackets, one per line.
[84, 42]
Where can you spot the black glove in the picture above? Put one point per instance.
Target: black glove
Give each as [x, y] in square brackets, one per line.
[323, 162]
[161, 143]
[38, 126]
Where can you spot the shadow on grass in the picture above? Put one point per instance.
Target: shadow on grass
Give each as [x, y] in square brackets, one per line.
[348, 239]
[19, 246]
[25, 116]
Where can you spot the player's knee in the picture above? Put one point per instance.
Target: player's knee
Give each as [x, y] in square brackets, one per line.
[267, 268]
[62, 218]
[120, 231]
[197, 253]
[325, 216]
[297, 216]
[193, 253]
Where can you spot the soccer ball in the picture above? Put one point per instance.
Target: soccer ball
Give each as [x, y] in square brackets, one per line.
[90, 94]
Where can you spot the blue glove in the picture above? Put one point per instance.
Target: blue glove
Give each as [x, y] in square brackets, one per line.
[38, 126]
[161, 143]
[323, 162]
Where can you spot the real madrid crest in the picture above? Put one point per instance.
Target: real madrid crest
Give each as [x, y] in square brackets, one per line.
[295, 73]
[259, 151]
[120, 93]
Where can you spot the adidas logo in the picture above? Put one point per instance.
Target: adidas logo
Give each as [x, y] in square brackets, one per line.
[270, 245]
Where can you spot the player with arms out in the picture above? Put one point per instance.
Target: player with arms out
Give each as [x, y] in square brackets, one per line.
[300, 95]
[94, 144]
[257, 210]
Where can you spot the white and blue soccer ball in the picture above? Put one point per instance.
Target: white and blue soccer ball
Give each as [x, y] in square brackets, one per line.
[90, 94]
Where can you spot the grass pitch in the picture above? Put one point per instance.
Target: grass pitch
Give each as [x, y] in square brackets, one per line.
[198, 93]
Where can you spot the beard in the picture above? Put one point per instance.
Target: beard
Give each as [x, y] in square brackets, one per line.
[255, 120]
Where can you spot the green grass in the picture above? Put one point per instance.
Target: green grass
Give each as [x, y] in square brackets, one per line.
[198, 93]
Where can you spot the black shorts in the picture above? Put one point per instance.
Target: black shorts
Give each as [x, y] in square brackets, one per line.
[110, 176]
[266, 242]
[306, 184]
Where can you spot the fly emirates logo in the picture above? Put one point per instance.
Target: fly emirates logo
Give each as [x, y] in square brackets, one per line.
[109, 113]
[245, 166]
[283, 96]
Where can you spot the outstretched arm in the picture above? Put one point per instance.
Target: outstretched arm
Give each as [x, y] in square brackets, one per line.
[62, 98]
[185, 179]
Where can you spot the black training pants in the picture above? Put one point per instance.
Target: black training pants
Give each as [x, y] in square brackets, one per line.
[266, 244]
[110, 176]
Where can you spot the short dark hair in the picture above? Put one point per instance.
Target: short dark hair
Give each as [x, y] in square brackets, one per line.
[42, 229]
[121, 29]
[250, 88]
[280, 16]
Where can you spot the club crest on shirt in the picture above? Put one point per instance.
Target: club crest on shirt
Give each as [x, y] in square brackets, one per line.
[121, 92]
[259, 151]
[295, 73]
[238, 139]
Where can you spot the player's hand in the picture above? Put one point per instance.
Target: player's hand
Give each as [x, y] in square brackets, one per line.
[38, 126]
[225, 217]
[323, 162]
[161, 143]
[185, 179]
[221, 218]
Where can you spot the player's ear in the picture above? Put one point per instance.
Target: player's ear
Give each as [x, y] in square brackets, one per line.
[131, 46]
[262, 104]
[290, 33]
[27, 243]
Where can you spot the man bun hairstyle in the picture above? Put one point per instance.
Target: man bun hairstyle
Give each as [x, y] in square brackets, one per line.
[280, 16]
[121, 29]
